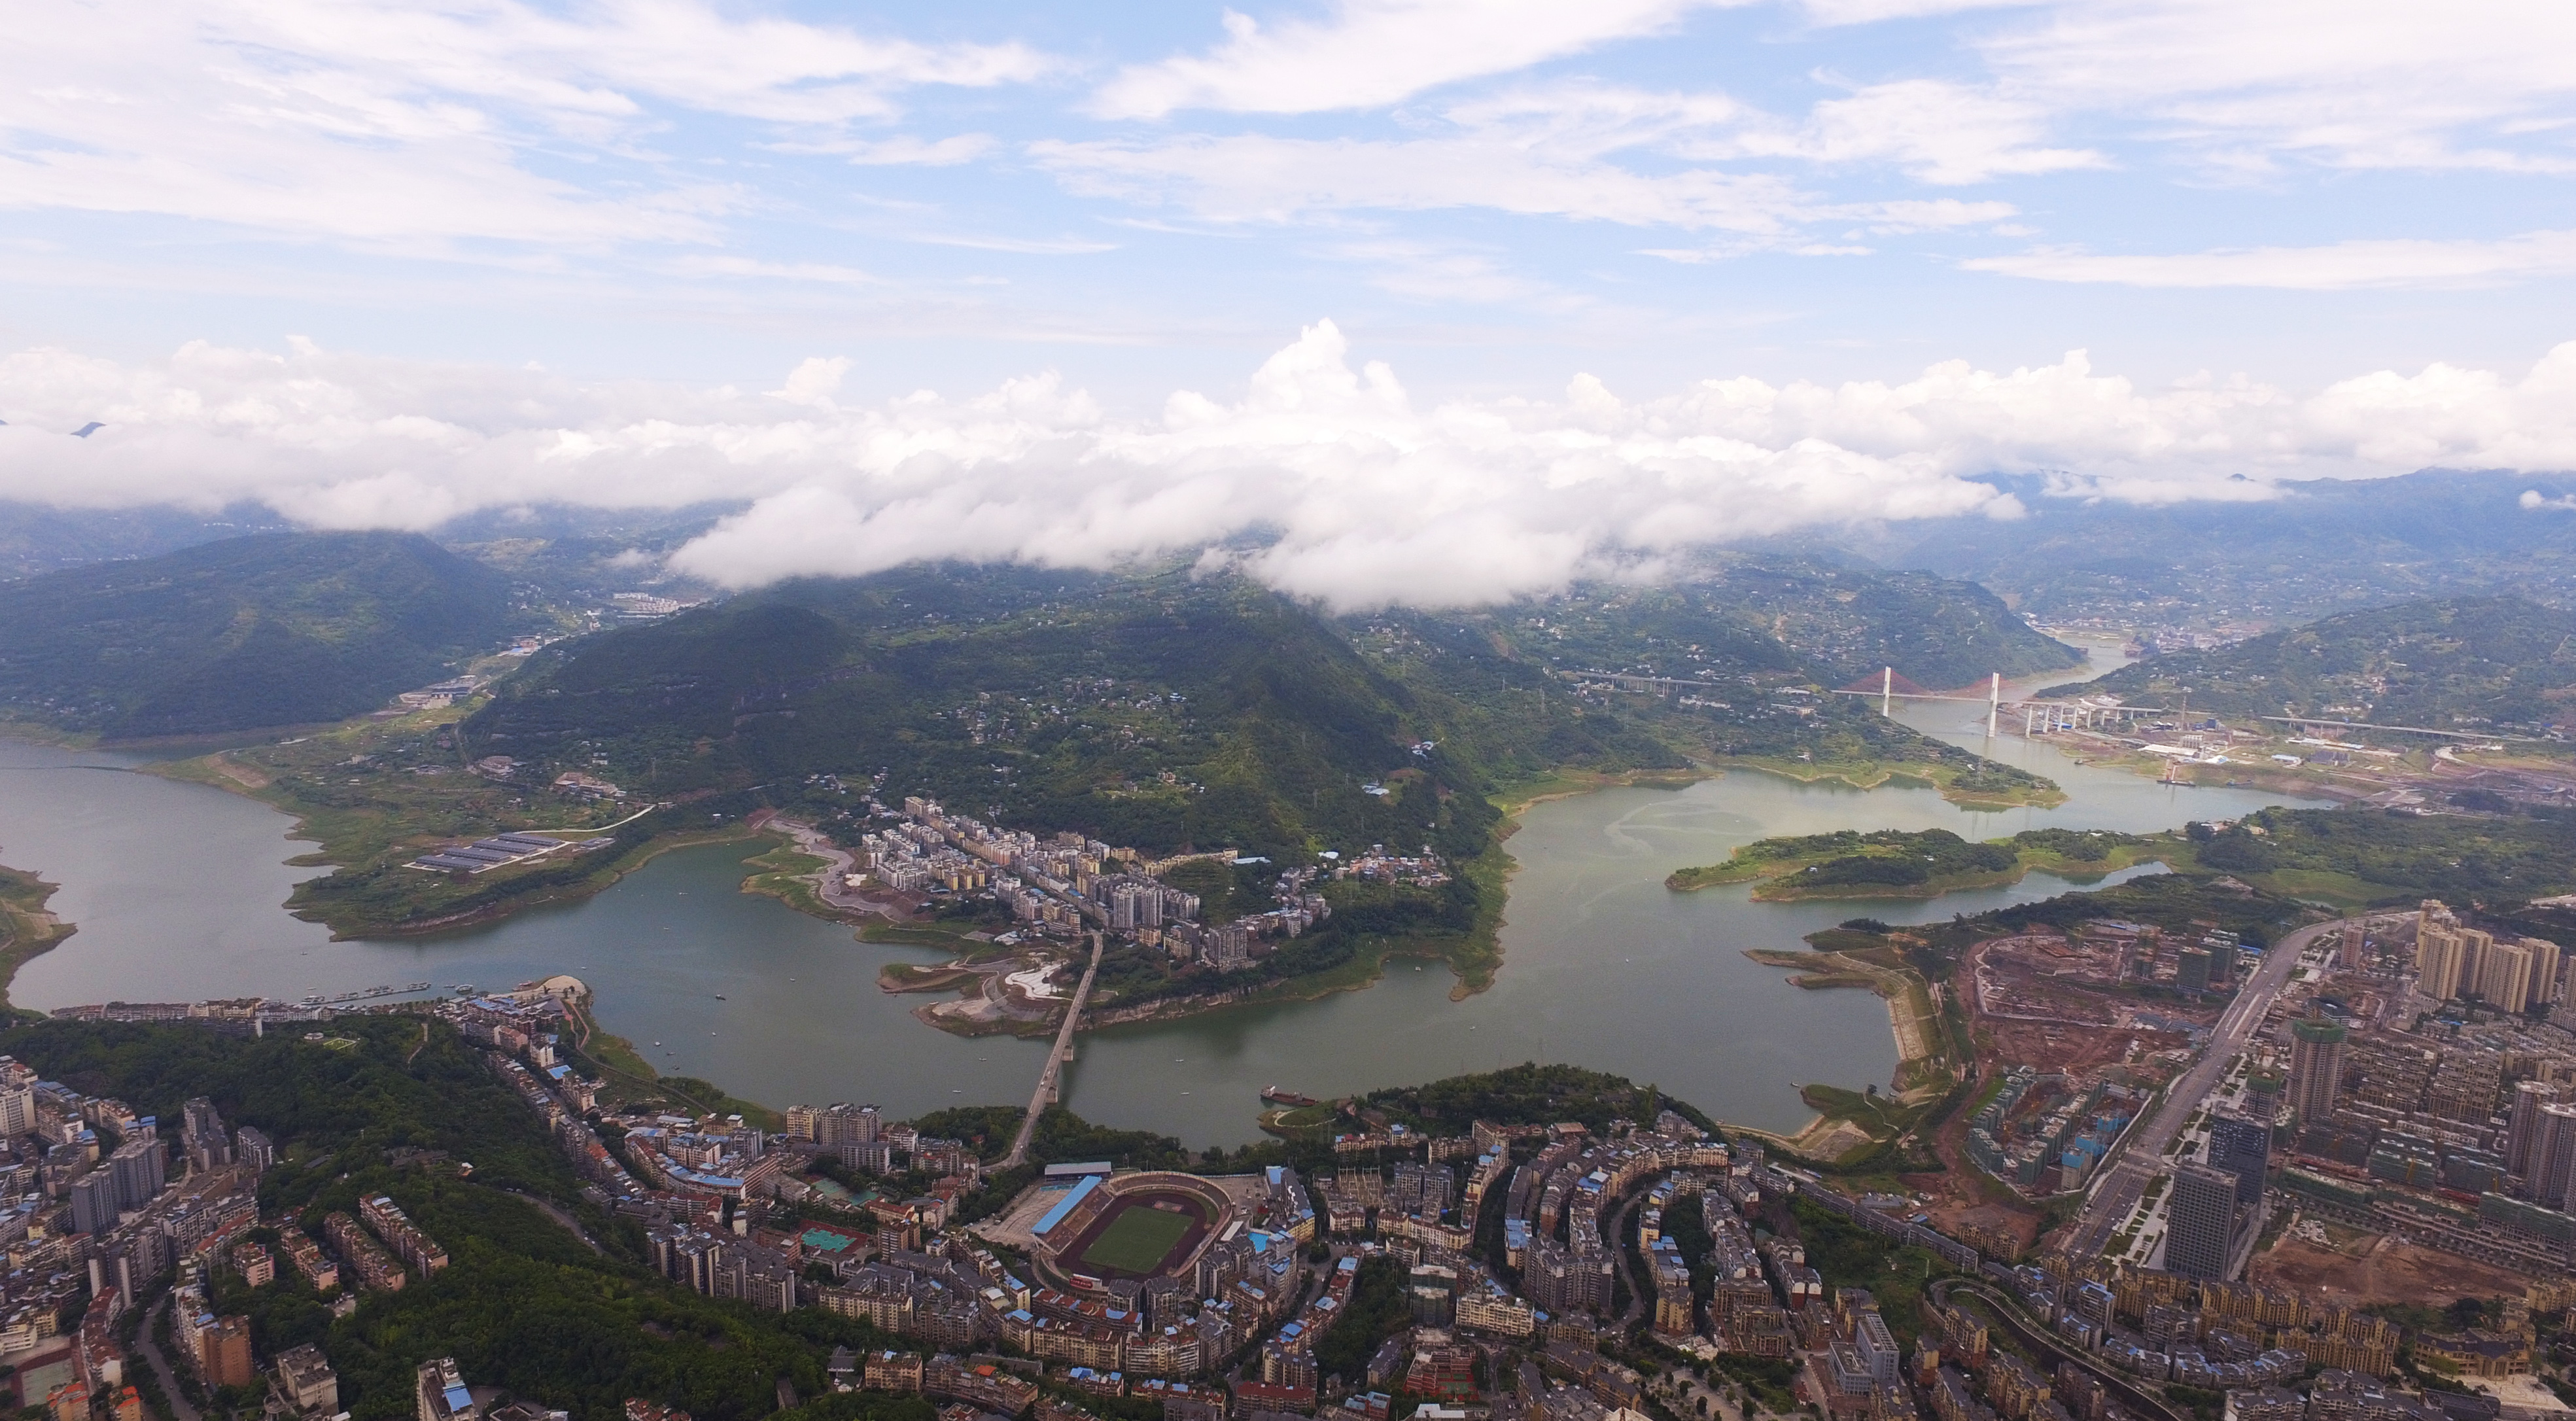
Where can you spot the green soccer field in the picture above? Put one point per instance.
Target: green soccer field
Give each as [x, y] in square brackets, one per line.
[1137, 1240]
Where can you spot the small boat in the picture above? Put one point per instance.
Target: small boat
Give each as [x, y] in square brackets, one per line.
[1276, 1096]
[720, 996]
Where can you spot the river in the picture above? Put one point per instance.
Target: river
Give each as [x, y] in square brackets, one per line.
[176, 889]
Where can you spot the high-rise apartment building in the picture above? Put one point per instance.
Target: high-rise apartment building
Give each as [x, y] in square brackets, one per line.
[2242, 1147]
[2550, 1166]
[2200, 1224]
[2316, 1067]
[2522, 1123]
[2504, 976]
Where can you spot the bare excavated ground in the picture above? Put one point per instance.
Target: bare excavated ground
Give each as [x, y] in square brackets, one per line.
[2374, 1268]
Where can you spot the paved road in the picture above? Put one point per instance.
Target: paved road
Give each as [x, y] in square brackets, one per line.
[832, 883]
[151, 1350]
[2142, 1157]
[559, 1214]
[1045, 1094]
[1620, 1225]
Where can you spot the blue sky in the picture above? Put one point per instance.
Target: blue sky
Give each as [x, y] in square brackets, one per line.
[682, 201]
[1649, 189]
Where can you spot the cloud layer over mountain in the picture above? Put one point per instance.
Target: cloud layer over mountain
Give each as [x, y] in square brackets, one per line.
[1332, 481]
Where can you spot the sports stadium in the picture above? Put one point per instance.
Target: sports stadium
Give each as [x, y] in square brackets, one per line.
[1128, 1226]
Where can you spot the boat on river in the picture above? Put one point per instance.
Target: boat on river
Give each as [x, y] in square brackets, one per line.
[1277, 1096]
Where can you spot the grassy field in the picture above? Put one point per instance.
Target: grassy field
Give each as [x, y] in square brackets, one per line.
[1136, 1240]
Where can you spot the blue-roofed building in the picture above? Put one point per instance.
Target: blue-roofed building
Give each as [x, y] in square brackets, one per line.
[439, 1393]
[1072, 1198]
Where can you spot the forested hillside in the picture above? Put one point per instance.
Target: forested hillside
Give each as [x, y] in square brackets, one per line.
[1161, 712]
[2460, 663]
[1740, 618]
[275, 629]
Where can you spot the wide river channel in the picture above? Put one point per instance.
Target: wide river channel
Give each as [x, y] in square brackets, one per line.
[177, 888]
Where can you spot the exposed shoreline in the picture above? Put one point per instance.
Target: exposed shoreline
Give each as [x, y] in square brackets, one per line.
[28, 929]
[1826, 1138]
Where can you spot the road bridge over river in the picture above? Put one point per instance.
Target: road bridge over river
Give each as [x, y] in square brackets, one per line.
[1051, 1078]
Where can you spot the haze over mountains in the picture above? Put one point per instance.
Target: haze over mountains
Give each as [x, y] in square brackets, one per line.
[272, 629]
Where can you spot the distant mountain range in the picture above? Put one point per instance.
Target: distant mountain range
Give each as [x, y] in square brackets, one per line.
[36, 539]
[2454, 663]
[274, 629]
[2310, 550]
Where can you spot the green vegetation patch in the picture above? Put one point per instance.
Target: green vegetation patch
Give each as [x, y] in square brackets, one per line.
[1376, 1310]
[1897, 863]
[27, 930]
[1137, 1239]
[2360, 855]
[1527, 1094]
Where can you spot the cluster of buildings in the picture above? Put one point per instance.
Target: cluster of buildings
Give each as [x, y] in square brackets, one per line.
[1424, 870]
[1249, 1305]
[2510, 974]
[93, 1219]
[2045, 1131]
[1066, 885]
[2429, 1090]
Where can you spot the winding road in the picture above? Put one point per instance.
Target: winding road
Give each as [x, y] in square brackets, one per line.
[832, 884]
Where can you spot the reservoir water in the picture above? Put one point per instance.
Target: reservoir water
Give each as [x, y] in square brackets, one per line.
[177, 890]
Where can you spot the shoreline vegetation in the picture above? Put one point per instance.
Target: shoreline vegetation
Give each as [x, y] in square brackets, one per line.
[1894, 863]
[371, 794]
[1848, 1124]
[28, 930]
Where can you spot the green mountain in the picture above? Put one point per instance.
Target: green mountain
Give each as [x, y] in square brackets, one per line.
[273, 629]
[1166, 711]
[1753, 620]
[1163, 712]
[2459, 663]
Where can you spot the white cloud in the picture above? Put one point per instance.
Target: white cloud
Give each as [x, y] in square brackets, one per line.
[1936, 131]
[1864, 12]
[911, 151]
[1370, 53]
[426, 124]
[1366, 496]
[2340, 266]
[1259, 178]
[2348, 83]
[1596, 152]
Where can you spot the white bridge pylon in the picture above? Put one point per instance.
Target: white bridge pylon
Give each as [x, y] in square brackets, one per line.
[2038, 717]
